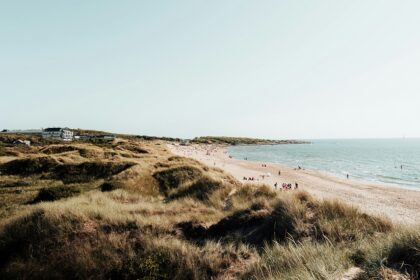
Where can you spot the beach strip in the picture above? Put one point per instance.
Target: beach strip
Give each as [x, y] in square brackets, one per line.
[401, 205]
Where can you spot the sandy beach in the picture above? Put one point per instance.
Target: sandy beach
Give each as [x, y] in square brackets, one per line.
[401, 205]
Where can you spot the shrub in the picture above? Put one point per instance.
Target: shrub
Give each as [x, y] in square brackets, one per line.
[109, 186]
[399, 250]
[305, 260]
[7, 153]
[13, 184]
[30, 166]
[176, 176]
[249, 192]
[134, 149]
[55, 193]
[87, 171]
[199, 190]
[340, 222]
[58, 149]
[147, 265]
[404, 254]
[256, 225]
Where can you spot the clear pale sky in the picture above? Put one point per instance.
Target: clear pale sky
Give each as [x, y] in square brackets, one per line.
[272, 69]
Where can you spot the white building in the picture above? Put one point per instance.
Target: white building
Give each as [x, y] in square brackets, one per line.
[22, 142]
[57, 133]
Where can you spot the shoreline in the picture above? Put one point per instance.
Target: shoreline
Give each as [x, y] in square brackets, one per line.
[401, 204]
[331, 174]
[328, 174]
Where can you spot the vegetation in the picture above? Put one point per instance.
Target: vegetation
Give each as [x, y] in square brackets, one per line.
[131, 210]
[56, 193]
[154, 138]
[242, 141]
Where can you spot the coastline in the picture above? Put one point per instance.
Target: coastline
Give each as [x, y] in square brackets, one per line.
[326, 173]
[401, 204]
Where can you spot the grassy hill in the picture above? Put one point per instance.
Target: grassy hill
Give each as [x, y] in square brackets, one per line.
[131, 210]
[242, 141]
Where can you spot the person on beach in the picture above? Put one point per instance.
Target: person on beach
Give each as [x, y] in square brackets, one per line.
[275, 185]
[279, 172]
[347, 176]
[296, 185]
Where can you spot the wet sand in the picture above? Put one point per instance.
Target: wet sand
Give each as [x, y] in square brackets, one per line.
[401, 205]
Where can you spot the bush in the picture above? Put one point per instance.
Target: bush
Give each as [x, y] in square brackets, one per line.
[399, 251]
[259, 224]
[13, 184]
[30, 166]
[134, 149]
[109, 186]
[55, 193]
[404, 254]
[306, 260]
[58, 149]
[175, 177]
[199, 190]
[340, 222]
[146, 265]
[87, 171]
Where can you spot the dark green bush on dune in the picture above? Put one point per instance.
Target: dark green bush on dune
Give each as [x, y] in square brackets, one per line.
[56, 193]
[200, 189]
[399, 251]
[109, 186]
[28, 167]
[175, 177]
[87, 171]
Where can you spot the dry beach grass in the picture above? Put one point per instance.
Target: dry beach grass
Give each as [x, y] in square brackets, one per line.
[162, 216]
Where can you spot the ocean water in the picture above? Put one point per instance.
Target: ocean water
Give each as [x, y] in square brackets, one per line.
[376, 160]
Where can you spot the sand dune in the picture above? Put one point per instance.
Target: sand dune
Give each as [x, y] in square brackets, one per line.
[400, 204]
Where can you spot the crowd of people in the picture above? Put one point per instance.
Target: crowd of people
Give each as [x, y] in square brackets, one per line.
[211, 150]
[249, 178]
[286, 186]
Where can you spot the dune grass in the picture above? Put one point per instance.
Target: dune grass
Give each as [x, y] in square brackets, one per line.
[158, 216]
[55, 193]
[241, 141]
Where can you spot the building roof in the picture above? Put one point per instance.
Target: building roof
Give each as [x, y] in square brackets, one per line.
[52, 129]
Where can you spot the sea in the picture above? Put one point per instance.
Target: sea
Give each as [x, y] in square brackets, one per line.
[386, 161]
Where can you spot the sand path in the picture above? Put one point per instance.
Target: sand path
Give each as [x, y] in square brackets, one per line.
[400, 204]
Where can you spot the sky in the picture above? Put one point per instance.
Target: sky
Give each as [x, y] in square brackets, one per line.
[266, 69]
